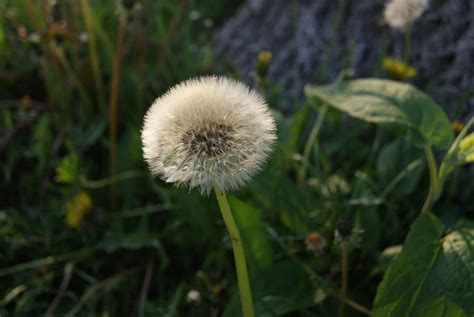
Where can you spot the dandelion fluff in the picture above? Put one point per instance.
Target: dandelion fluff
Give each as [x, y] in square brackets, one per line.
[399, 14]
[207, 131]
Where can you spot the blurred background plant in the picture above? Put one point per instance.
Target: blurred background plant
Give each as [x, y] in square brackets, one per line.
[84, 228]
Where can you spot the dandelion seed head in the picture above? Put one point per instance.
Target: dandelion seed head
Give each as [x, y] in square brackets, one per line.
[399, 14]
[207, 131]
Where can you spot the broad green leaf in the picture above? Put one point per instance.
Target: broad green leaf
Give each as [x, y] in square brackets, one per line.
[440, 307]
[431, 272]
[389, 102]
[392, 160]
[278, 290]
[405, 278]
[253, 231]
[452, 274]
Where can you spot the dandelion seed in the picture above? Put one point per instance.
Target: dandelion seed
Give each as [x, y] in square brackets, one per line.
[399, 14]
[77, 208]
[207, 131]
[398, 69]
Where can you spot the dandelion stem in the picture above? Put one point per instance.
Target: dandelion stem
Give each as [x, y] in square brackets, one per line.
[344, 268]
[313, 135]
[113, 108]
[433, 179]
[239, 255]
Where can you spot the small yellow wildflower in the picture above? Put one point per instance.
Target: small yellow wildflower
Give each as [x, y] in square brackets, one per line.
[263, 62]
[457, 126]
[467, 144]
[76, 208]
[398, 69]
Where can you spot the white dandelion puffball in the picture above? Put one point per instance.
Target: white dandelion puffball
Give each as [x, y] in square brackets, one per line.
[207, 131]
[399, 14]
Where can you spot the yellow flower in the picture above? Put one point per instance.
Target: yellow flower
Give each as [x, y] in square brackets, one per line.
[467, 144]
[263, 61]
[76, 208]
[457, 126]
[265, 56]
[398, 69]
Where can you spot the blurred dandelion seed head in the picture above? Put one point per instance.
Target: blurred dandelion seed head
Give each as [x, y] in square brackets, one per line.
[399, 14]
[208, 131]
[193, 296]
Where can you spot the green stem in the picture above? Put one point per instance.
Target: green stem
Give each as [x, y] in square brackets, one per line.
[313, 135]
[344, 268]
[407, 48]
[449, 162]
[93, 52]
[74, 255]
[239, 255]
[433, 179]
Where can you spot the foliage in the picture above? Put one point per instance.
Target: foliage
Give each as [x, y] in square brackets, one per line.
[134, 245]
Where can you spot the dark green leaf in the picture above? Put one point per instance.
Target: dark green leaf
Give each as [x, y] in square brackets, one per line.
[402, 283]
[278, 290]
[253, 231]
[430, 273]
[392, 160]
[389, 102]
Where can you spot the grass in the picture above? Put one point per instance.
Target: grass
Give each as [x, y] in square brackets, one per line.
[144, 245]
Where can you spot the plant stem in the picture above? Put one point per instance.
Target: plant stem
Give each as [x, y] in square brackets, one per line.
[433, 179]
[146, 285]
[407, 48]
[344, 268]
[93, 52]
[239, 255]
[113, 108]
[447, 165]
[313, 135]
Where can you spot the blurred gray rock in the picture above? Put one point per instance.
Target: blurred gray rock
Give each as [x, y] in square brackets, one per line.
[310, 46]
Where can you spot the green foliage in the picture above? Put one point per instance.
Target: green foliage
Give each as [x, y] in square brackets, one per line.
[278, 290]
[395, 157]
[143, 253]
[431, 272]
[389, 102]
[253, 229]
[67, 171]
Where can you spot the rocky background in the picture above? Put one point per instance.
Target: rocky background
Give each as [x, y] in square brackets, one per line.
[312, 40]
